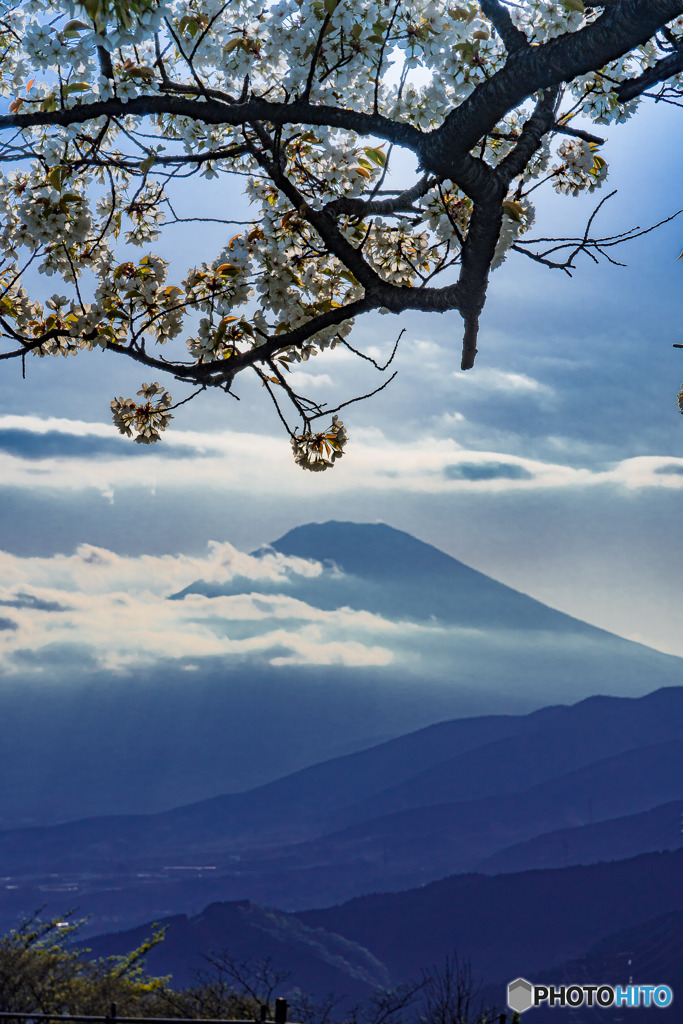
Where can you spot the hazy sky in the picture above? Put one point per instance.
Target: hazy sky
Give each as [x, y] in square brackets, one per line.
[556, 465]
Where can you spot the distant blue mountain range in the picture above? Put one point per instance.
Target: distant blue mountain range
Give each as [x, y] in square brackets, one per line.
[602, 779]
[572, 925]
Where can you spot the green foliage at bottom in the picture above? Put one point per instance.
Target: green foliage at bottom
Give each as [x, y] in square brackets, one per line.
[44, 970]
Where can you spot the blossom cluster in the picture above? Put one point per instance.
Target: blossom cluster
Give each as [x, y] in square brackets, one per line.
[318, 452]
[518, 216]
[143, 420]
[581, 168]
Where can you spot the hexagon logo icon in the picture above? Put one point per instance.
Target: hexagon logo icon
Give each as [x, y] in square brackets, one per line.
[520, 995]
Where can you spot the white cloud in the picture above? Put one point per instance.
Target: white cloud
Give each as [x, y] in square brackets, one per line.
[648, 471]
[92, 571]
[449, 419]
[234, 461]
[116, 610]
[317, 650]
[302, 381]
[426, 347]
[489, 379]
[61, 425]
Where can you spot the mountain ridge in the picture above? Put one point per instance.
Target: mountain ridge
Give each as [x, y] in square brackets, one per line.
[526, 923]
[294, 847]
[658, 828]
[381, 552]
[422, 742]
[512, 917]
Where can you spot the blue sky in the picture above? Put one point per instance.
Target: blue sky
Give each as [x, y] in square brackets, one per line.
[556, 465]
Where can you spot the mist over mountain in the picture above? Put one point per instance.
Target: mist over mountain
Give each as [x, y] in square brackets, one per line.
[318, 961]
[425, 843]
[357, 633]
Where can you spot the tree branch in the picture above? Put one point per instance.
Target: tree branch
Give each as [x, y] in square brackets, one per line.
[324, 224]
[540, 122]
[402, 203]
[617, 30]
[659, 72]
[446, 152]
[104, 58]
[513, 39]
[212, 111]
[578, 133]
[477, 256]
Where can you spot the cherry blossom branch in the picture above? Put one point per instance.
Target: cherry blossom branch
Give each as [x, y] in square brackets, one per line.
[577, 133]
[351, 264]
[499, 16]
[617, 30]
[541, 121]
[324, 224]
[402, 203]
[224, 112]
[659, 72]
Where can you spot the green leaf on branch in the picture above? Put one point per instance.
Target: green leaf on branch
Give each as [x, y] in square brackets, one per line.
[189, 24]
[73, 27]
[376, 155]
[122, 13]
[146, 74]
[56, 177]
[513, 210]
[229, 270]
[147, 164]
[462, 14]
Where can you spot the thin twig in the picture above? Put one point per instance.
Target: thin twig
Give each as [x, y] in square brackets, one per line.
[360, 398]
[369, 359]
